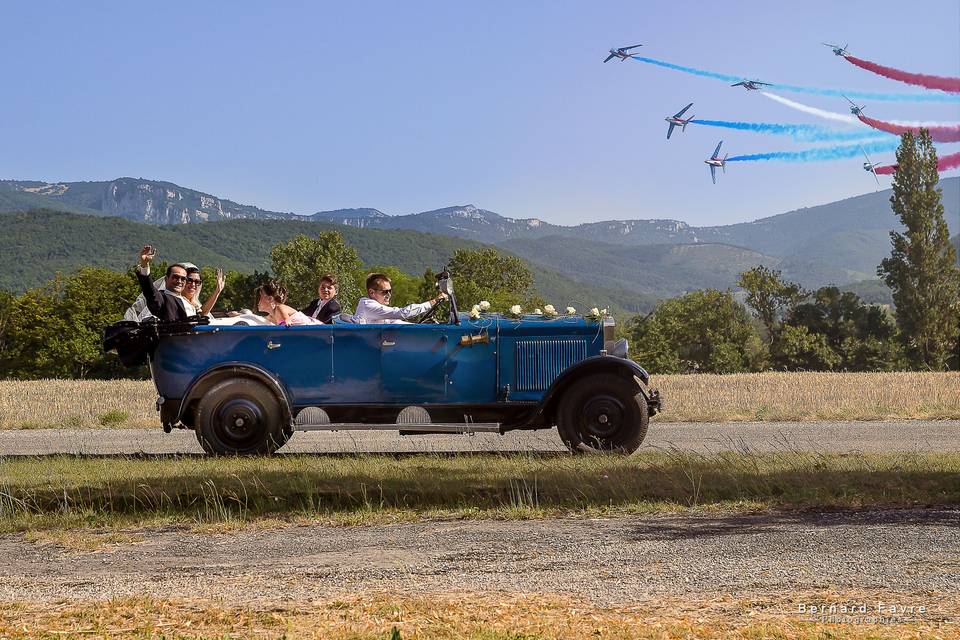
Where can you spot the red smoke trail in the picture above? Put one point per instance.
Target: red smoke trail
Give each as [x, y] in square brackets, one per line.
[930, 82]
[941, 133]
[945, 163]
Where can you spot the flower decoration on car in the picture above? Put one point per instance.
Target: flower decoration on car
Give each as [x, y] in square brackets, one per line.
[538, 312]
[549, 310]
[597, 314]
[475, 312]
[515, 311]
[571, 311]
[484, 305]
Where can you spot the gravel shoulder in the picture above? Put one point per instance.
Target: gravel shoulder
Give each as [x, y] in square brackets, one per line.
[846, 436]
[610, 561]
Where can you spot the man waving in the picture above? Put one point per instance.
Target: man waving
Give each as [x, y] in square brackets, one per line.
[167, 305]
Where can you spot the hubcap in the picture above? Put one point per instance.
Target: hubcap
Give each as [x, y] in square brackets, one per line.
[602, 417]
[240, 420]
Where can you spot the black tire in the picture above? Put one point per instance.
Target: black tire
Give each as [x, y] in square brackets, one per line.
[603, 413]
[240, 417]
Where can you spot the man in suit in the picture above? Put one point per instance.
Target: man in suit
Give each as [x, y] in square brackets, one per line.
[326, 307]
[166, 305]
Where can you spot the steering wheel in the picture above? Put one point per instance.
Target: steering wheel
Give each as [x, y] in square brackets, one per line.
[430, 317]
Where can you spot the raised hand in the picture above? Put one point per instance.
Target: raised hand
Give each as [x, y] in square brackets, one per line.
[146, 255]
[221, 279]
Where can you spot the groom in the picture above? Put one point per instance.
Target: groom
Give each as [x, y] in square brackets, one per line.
[168, 305]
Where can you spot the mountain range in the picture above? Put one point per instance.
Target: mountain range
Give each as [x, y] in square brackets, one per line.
[840, 242]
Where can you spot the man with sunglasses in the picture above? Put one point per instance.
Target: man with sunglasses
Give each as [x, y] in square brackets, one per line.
[168, 304]
[376, 309]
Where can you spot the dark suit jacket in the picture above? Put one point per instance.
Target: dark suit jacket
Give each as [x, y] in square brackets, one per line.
[162, 304]
[326, 314]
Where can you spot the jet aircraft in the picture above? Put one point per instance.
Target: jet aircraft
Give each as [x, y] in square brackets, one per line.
[837, 49]
[870, 166]
[621, 53]
[716, 161]
[750, 85]
[855, 109]
[676, 120]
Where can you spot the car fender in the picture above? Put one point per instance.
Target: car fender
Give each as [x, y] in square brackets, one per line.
[205, 381]
[589, 366]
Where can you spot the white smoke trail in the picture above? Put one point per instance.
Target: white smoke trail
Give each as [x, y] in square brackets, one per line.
[820, 113]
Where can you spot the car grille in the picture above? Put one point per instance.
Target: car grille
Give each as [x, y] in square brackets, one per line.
[539, 362]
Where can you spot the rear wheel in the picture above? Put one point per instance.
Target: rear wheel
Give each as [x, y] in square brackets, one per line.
[240, 417]
[603, 412]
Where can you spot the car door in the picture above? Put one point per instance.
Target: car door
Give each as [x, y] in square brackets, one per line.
[413, 363]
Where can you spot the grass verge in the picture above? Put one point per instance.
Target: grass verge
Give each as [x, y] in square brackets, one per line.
[97, 404]
[65, 492]
[482, 616]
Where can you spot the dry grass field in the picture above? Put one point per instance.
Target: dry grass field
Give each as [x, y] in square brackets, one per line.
[481, 616]
[40, 404]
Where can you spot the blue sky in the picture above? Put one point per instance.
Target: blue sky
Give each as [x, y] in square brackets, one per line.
[418, 105]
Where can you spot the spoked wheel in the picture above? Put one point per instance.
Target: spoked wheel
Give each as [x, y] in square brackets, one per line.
[240, 417]
[603, 413]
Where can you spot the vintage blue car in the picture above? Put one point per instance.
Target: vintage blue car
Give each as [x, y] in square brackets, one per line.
[246, 389]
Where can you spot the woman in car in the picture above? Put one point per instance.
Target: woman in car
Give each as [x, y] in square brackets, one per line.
[191, 290]
[270, 299]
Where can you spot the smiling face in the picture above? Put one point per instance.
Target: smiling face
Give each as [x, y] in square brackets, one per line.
[176, 279]
[326, 290]
[192, 286]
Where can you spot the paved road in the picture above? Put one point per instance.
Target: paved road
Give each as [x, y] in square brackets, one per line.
[610, 561]
[906, 435]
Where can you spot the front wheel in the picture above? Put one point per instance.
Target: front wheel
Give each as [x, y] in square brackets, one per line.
[603, 412]
[240, 417]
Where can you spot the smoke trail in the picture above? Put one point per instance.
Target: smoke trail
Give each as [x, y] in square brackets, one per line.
[945, 163]
[938, 132]
[860, 95]
[821, 154]
[820, 113]
[921, 80]
[800, 132]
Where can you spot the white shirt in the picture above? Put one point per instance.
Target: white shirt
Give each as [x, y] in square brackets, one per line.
[369, 311]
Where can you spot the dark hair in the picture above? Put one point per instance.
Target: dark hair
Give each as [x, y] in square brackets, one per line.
[374, 278]
[176, 264]
[193, 270]
[270, 288]
[329, 277]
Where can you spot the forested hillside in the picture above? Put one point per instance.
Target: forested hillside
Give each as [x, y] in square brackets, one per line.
[37, 244]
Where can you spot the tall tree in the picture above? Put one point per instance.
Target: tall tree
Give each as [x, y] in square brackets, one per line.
[487, 274]
[768, 295]
[300, 263]
[921, 270]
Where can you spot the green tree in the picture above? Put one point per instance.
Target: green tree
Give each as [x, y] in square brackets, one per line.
[796, 348]
[487, 274]
[768, 295]
[55, 330]
[705, 331]
[863, 336]
[300, 263]
[921, 270]
[238, 292]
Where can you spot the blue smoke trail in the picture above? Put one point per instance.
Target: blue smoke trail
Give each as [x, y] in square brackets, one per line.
[822, 154]
[858, 95]
[800, 132]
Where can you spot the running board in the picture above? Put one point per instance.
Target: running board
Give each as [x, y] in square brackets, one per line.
[406, 427]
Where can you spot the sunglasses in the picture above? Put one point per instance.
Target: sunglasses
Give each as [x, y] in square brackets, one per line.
[177, 278]
[386, 292]
[194, 281]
